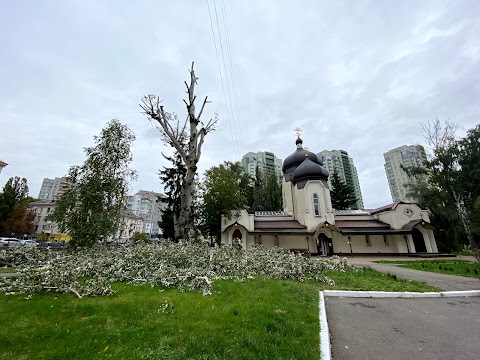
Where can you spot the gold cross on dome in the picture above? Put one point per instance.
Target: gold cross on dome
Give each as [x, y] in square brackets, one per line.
[298, 131]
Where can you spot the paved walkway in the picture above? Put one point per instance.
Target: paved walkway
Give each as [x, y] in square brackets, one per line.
[442, 281]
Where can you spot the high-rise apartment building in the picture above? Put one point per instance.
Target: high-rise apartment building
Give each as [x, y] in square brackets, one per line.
[146, 205]
[52, 188]
[398, 180]
[342, 164]
[266, 162]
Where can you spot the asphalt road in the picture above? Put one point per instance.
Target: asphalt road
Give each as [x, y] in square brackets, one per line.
[404, 329]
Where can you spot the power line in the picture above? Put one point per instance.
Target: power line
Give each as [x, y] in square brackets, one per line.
[223, 86]
[232, 72]
[225, 73]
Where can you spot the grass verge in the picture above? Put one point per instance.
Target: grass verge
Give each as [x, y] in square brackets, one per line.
[255, 319]
[452, 267]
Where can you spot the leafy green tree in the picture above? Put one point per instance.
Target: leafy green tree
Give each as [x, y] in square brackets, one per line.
[90, 208]
[140, 238]
[14, 192]
[19, 221]
[221, 193]
[452, 188]
[343, 196]
[267, 194]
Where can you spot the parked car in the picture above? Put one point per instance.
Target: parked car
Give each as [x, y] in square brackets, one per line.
[3, 242]
[29, 243]
[12, 242]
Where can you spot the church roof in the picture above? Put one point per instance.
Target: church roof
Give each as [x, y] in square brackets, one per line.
[309, 170]
[279, 225]
[271, 214]
[384, 208]
[303, 165]
[297, 157]
[352, 212]
[363, 224]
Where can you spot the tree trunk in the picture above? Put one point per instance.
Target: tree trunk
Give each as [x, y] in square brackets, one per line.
[184, 226]
[462, 211]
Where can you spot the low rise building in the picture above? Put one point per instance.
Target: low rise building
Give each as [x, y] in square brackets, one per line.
[43, 228]
[128, 225]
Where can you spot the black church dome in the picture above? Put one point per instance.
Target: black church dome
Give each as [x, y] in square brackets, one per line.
[309, 170]
[295, 159]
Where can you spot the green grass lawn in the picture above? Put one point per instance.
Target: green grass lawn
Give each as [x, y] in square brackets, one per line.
[255, 319]
[451, 267]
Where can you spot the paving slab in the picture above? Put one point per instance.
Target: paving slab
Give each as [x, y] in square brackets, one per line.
[404, 329]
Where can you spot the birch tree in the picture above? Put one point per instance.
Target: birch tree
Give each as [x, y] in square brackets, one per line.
[90, 208]
[172, 130]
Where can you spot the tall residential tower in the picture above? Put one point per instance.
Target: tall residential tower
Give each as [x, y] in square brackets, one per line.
[408, 156]
[266, 162]
[52, 188]
[342, 164]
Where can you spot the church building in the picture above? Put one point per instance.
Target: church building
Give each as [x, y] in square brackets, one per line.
[309, 223]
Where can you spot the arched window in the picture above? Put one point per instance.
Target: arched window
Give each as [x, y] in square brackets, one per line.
[316, 207]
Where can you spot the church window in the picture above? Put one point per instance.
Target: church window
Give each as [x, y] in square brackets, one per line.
[316, 207]
[367, 240]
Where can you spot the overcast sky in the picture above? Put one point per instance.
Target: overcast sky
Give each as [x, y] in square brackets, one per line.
[354, 75]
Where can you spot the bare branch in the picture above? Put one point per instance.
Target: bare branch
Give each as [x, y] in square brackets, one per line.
[203, 107]
[210, 127]
[151, 106]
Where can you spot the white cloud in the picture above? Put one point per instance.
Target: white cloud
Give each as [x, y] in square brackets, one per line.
[357, 76]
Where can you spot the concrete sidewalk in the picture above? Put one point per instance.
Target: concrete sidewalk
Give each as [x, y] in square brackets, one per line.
[442, 281]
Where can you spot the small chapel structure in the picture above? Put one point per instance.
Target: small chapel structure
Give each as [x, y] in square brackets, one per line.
[308, 223]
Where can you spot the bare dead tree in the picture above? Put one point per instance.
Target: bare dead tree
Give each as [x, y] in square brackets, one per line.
[173, 131]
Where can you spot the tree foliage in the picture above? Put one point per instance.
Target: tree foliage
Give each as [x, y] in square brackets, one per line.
[19, 221]
[267, 193]
[140, 238]
[221, 192]
[15, 191]
[173, 131]
[171, 177]
[451, 188]
[90, 208]
[343, 196]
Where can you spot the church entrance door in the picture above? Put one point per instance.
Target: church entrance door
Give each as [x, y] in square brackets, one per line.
[418, 241]
[322, 245]
[237, 239]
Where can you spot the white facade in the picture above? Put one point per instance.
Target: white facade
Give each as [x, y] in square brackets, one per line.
[145, 204]
[342, 164]
[266, 161]
[52, 188]
[398, 181]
